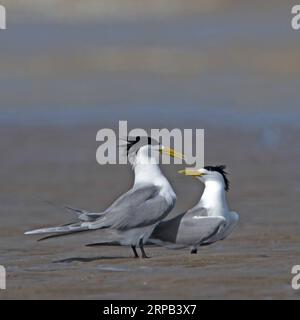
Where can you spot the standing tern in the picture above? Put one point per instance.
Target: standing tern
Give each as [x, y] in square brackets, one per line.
[209, 221]
[132, 218]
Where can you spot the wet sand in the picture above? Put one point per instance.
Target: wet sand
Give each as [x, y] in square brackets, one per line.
[58, 165]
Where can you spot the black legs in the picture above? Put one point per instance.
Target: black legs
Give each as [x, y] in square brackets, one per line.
[134, 251]
[141, 245]
[194, 251]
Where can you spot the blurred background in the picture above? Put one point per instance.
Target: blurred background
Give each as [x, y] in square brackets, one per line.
[69, 68]
[222, 62]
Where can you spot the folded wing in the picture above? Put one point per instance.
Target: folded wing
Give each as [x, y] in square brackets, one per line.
[137, 208]
[187, 229]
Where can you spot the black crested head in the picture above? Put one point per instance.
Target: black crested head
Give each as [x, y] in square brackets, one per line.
[221, 170]
[150, 140]
[131, 141]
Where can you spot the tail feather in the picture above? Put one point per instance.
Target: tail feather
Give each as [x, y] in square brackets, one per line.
[61, 229]
[59, 235]
[113, 244]
[75, 210]
[104, 243]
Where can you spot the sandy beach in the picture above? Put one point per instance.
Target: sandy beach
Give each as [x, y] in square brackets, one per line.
[254, 263]
[205, 65]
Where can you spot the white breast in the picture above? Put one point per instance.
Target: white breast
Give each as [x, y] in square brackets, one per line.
[150, 173]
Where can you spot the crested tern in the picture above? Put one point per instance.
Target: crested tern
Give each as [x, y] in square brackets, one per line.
[132, 217]
[207, 222]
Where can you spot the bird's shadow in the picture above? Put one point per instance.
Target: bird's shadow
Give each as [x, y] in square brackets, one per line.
[87, 259]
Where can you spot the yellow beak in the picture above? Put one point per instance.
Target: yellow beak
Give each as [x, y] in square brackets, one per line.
[191, 172]
[172, 153]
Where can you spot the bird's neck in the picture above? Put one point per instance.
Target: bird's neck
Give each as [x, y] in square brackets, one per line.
[147, 171]
[214, 199]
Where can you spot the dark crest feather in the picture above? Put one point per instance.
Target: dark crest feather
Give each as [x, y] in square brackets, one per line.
[221, 170]
[131, 143]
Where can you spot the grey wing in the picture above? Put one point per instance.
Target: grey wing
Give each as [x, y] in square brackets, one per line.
[187, 229]
[139, 195]
[168, 230]
[137, 208]
[197, 211]
[198, 229]
[231, 223]
[136, 195]
[84, 215]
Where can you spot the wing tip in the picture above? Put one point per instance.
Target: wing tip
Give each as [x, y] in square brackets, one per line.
[32, 232]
